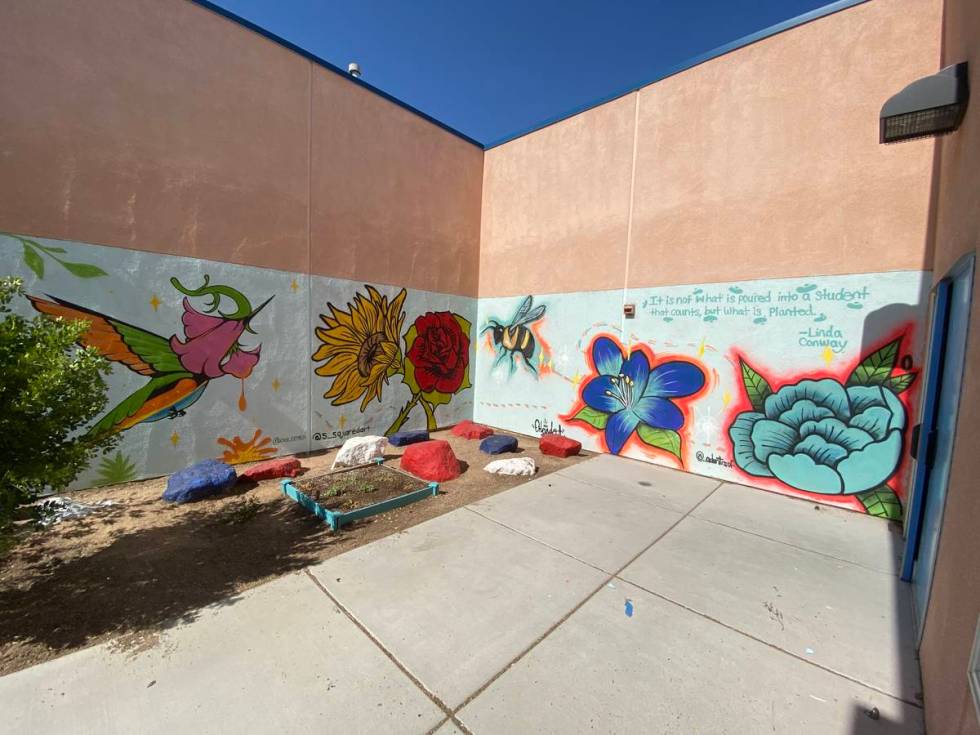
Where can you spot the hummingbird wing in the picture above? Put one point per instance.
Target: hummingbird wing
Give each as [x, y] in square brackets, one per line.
[141, 351]
[151, 401]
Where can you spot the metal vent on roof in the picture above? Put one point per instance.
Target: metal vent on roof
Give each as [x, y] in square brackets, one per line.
[933, 105]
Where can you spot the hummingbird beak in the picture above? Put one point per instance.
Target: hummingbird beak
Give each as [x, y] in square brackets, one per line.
[257, 309]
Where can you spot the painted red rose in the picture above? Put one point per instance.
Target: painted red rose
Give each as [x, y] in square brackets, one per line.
[440, 353]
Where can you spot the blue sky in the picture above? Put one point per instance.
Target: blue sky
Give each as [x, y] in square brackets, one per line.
[492, 68]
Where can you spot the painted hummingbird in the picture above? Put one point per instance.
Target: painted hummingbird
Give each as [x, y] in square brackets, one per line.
[178, 369]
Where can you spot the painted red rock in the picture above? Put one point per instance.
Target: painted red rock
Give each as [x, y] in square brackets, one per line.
[283, 467]
[431, 460]
[559, 446]
[469, 430]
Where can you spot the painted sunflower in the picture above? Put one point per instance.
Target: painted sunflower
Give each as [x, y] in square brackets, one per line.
[361, 346]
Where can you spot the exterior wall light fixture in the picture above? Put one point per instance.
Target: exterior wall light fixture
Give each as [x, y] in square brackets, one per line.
[933, 105]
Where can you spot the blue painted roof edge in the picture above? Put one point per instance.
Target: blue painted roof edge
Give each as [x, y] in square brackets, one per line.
[331, 67]
[714, 53]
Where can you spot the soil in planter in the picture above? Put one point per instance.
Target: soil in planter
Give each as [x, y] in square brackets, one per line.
[353, 489]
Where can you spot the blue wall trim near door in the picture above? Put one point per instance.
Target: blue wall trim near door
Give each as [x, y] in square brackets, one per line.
[930, 406]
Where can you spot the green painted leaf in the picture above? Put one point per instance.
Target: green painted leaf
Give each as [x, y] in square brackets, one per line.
[408, 377]
[115, 470]
[882, 502]
[595, 419]
[46, 248]
[756, 387]
[876, 368]
[665, 439]
[83, 270]
[33, 260]
[899, 383]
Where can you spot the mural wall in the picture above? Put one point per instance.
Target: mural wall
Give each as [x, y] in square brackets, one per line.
[243, 363]
[387, 359]
[801, 386]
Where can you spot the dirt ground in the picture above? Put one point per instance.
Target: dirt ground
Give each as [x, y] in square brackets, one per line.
[139, 566]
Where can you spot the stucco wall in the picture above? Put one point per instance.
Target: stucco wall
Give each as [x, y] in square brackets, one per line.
[954, 605]
[162, 126]
[770, 246]
[149, 125]
[761, 163]
[149, 140]
[193, 378]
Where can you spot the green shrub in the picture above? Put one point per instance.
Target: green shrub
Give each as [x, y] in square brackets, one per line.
[49, 390]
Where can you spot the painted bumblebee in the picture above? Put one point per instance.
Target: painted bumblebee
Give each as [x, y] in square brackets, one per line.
[513, 338]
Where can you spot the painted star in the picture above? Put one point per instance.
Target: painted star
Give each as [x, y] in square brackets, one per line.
[175, 439]
[276, 384]
[294, 286]
[155, 302]
[828, 355]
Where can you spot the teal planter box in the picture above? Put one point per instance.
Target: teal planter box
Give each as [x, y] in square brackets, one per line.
[338, 519]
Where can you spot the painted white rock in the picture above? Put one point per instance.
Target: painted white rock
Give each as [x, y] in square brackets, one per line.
[360, 450]
[512, 466]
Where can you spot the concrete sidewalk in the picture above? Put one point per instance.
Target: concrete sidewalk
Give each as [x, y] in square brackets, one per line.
[613, 596]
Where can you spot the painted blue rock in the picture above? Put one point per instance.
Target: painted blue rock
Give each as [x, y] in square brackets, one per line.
[199, 481]
[498, 444]
[403, 438]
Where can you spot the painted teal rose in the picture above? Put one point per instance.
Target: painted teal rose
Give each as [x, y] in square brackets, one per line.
[818, 436]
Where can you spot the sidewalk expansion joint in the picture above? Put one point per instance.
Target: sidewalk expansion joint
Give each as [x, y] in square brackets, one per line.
[446, 709]
[579, 605]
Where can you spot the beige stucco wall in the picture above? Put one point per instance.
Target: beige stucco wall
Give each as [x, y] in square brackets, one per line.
[152, 125]
[765, 162]
[161, 126]
[396, 199]
[954, 605]
[762, 163]
[556, 205]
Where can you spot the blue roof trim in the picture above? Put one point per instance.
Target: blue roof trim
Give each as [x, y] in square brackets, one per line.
[331, 67]
[772, 30]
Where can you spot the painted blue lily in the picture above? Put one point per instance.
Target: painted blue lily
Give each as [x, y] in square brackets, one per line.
[633, 395]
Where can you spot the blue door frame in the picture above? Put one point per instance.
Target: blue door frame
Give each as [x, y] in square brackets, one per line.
[927, 428]
[934, 438]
